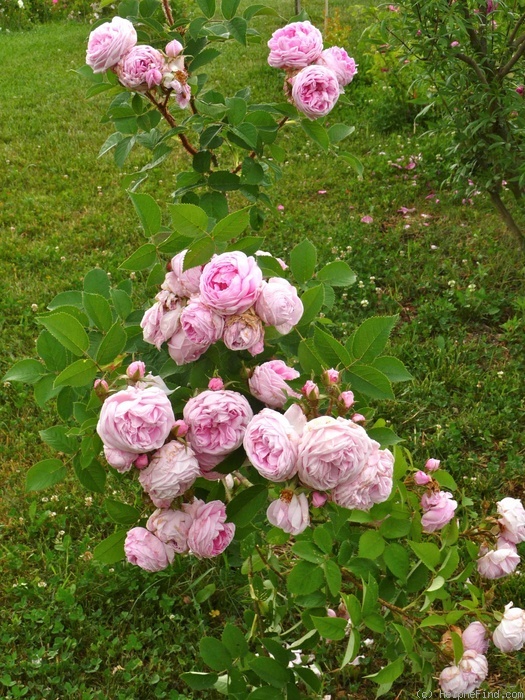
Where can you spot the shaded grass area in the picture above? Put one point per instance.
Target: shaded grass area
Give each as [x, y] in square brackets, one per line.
[449, 270]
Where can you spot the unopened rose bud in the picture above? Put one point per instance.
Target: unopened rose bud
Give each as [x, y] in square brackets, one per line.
[331, 376]
[215, 384]
[358, 418]
[136, 370]
[432, 464]
[421, 478]
[173, 49]
[319, 499]
[101, 388]
[180, 428]
[141, 462]
[520, 89]
[310, 390]
[347, 398]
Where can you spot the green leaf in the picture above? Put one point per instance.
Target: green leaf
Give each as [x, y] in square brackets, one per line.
[309, 358]
[237, 28]
[371, 544]
[68, 331]
[406, 637]
[333, 577]
[352, 649]
[370, 382]
[323, 539]
[215, 654]
[97, 282]
[57, 438]
[397, 560]
[71, 298]
[123, 147]
[205, 593]
[44, 474]
[120, 512]
[427, 552]
[389, 673]
[338, 132]
[248, 135]
[305, 578]
[266, 692]
[80, 373]
[270, 671]
[316, 132]
[370, 597]
[252, 172]
[313, 300]
[229, 8]
[353, 161]
[199, 252]
[208, 9]
[371, 337]
[242, 509]
[384, 436]
[202, 59]
[112, 345]
[330, 350]
[330, 627]
[393, 368]
[309, 677]
[434, 621]
[224, 181]
[28, 371]
[234, 640]
[121, 302]
[337, 273]
[111, 550]
[445, 479]
[98, 310]
[303, 260]
[141, 259]
[393, 528]
[189, 220]
[307, 551]
[196, 680]
[92, 476]
[54, 355]
[45, 390]
[254, 10]
[148, 212]
[232, 225]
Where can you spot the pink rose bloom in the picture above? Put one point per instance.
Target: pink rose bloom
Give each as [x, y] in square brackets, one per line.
[182, 283]
[499, 562]
[319, 499]
[173, 49]
[180, 427]
[432, 464]
[474, 638]
[289, 513]
[182, 92]
[141, 68]
[370, 486]
[182, 350]
[244, 332]
[215, 384]
[136, 420]
[332, 451]
[108, 43]
[279, 305]
[231, 283]
[271, 445]
[209, 534]
[439, 509]
[207, 463]
[512, 519]
[171, 527]
[171, 472]
[118, 459]
[295, 46]
[217, 421]
[315, 91]
[144, 549]
[340, 63]
[509, 635]
[422, 478]
[202, 325]
[136, 370]
[162, 319]
[141, 462]
[331, 376]
[310, 390]
[347, 399]
[268, 383]
[468, 675]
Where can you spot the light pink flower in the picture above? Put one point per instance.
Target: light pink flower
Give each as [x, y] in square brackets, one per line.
[136, 370]
[108, 43]
[347, 399]
[182, 283]
[101, 387]
[217, 421]
[319, 499]
[367, 220]
[338, 61]
[310, 390]
[358, 418]
[171, 527]
[268, 383]
[141, 68]
[468, 675]
[422, 478]
[171, 472]
[202, 325]
[182, 92]
[432, 464]
[499, 562]
[162, 319]
[315, 91]
[209, 534]
[332, 451]
[231, 283]
[271, 445]
[279, 305]
[474, 638]
[512, 519]
[144, 549]
[520, 89]
[289, 513]
[370, 486]
[244, 332]
[509, 635]
[181, 427]
[454, 44]
[136, 420]
[118, 459]
[182, 350]
[207, 463]
[141, 462]
[331, 376]
[439, 509]
[173, 48]
[295, 46]
[215, 384]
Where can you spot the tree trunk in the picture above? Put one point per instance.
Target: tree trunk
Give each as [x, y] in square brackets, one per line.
[507, 218]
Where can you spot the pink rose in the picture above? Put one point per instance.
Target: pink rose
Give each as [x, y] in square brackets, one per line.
[432, 464]
[244, 332]
[173, 49]
[468, 675]
[101, 387]
[268, 383]
[310, 390]
[319, 499]
[509, 635]
[180, 428]
[512, 519]
[136, 420]
[136, 370]
[182, 283]
[315, 91]
[118, 459]
[231, 283]
[182, 92]
[289, 513]
[217, 421]
[209, 534]
[271, 445]
[332, 451]
[144, 549]
[499, 562]
[438, 510]
[370, 486]
[141, 68]
[182, 350]
[108, 43]
[215, 384]
[171, 472]
[347, 399]
[202, 325]
[171, 527]
[331, 376]
[161, 320]
[141, 462]
[207, 463]
[279, 305]
[474, 638]
[295, 46]
[421, 478]
[340, 63]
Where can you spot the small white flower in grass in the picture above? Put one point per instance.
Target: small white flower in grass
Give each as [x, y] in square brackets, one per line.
[88, 501]
[500, 373]
[42, 584]
[34, 307]
[361, 284]
[471, 287]
[364, 303]
[20, 4]
[451, 283]
[44, 499]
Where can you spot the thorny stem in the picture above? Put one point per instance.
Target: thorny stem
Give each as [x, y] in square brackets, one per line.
[253, 154]
[163, 109]
[267, 563]
[167, 12]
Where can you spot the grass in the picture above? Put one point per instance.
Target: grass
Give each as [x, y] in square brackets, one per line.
[81, 630]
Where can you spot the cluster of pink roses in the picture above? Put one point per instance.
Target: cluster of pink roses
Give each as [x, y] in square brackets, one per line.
[503, 560]
[438, 506]
[113, 46]
[315, 78]
[227, 299]
[199, 528]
